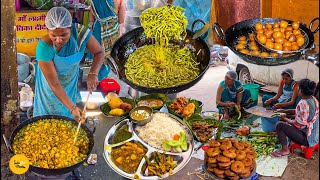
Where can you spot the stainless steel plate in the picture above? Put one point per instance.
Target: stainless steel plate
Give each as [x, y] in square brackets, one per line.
[181, 158]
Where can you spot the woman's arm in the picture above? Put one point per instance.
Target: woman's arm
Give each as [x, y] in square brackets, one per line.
[98, 56]
[49, 71]
[279, 93]
[122, 11]
[218, 97]
[290, 121]
[121, 15]
[287, 111]
[239, 98]
[293, 99]
[91, 16]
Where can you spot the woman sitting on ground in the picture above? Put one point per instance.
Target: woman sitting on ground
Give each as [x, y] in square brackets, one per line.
[287, 95]
[230, 93]
[304, 129]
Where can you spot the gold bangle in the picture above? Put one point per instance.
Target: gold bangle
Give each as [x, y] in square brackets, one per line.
[74, 106]
[93, 74]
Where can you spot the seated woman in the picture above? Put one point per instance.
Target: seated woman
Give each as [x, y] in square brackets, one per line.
[287, 95]
[304, 128]
[230, 93]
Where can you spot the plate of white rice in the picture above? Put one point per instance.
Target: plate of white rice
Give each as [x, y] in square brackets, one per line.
[161, 127]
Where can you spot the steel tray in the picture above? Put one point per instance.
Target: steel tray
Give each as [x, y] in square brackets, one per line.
[181, 158]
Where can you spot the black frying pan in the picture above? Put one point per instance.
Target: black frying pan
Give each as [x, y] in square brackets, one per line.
[136, 38]
[243, 28]
[53, 172]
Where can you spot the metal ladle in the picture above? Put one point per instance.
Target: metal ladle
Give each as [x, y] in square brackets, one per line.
[83, 117]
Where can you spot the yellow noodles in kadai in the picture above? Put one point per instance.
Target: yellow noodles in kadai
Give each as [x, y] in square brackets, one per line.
[178, 66]
[164, 23]
[162, 65]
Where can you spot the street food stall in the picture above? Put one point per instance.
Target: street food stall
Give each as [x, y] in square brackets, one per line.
[157, 133]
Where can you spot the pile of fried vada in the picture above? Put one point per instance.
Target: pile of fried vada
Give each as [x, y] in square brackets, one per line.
[230, 159]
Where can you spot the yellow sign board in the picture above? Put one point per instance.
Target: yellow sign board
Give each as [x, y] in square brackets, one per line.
[30, 27]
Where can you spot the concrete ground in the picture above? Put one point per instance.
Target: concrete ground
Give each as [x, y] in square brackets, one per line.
[206, 89]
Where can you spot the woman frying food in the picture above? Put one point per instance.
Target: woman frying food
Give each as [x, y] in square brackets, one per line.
[58, 56]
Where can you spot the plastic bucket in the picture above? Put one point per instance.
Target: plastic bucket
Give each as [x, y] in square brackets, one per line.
[269, 124]
[254, 90]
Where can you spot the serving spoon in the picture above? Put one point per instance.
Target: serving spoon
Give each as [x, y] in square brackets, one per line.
[83, 117]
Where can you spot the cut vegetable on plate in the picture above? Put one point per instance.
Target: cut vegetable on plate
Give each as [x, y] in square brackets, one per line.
[160, 164]
[176, 145]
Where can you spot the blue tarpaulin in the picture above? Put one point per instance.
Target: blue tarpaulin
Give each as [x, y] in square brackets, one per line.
[195, 9]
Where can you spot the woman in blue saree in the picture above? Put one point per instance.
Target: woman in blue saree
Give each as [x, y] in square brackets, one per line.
[108, 18]
[58, 57]
[230, 93]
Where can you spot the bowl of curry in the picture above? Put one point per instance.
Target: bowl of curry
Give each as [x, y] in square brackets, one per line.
[141, 115]
[128, 156]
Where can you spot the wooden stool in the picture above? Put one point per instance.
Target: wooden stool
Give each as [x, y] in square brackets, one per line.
[307, 150]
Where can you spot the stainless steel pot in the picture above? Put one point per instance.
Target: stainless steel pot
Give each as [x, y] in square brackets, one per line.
[24, 67]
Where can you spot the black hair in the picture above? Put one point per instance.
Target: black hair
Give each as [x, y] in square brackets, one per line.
[307, 87]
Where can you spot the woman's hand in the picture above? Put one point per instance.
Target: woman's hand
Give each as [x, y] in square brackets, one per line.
[283, 117]
[280, 111]
[92, 82]
[77, 114]
[268, 102]
[239, 107]
[231, 104]
[278, 106]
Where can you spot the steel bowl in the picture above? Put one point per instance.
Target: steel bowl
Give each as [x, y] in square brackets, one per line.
[144, 121]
